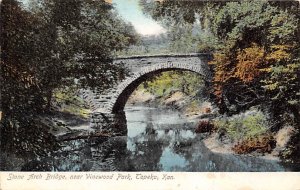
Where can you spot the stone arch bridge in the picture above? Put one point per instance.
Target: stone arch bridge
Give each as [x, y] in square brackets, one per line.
[107, 107]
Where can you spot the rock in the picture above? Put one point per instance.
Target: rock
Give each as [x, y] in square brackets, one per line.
[203, 110]
[283, 136]
[213, 143]
[175, 99]
[140, 96]
[206, 116]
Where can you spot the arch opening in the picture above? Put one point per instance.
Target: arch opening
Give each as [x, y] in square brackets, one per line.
[132, 84]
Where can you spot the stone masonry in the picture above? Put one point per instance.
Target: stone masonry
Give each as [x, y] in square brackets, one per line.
[108, 107]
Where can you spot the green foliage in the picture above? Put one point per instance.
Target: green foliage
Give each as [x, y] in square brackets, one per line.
[20, 86]
[67, 100]
[275, 30]
[81, 38]
[26, 136]
[255, 45]
[50, 45]
[235, 23]
[186, 82]
[187, 24]
[182, 38]
[283, 83]
[147, 45]
[244, 127]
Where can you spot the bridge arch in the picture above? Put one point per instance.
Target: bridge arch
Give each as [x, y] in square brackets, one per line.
[119, 95]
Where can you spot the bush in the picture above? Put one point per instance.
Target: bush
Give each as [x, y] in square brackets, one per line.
[262, 144]
[204, 126]
[245, 126]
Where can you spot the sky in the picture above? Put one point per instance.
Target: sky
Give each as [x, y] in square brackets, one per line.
[132, 12]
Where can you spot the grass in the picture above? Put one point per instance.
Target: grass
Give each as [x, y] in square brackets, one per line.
[68, 101]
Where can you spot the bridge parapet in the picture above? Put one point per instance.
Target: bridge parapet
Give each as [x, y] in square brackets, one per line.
[136, 63]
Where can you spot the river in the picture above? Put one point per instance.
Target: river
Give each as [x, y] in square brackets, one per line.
[157, 140]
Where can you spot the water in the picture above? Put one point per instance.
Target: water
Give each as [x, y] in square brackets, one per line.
[162, 140]
[157, 140]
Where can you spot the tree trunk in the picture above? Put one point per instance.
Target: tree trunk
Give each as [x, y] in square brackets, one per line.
[295, 111]
[222, 106]
[49, 99]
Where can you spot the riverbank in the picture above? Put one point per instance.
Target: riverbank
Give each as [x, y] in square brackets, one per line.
[265, 145]
[228, 135]
[190, 107]
[214, 144]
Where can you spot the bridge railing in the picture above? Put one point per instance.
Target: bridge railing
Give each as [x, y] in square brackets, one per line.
[208, 55]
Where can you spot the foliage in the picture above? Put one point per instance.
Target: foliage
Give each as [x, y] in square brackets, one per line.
[255, 46]
[249, 62]
[204, 126]
[246, 59]
[187, 24]
[244, 126]
[26, 136]
[84, 35]
[262, 144]
[292, 151]
[147, 45]
[53, 44]
[186, 82]
[68, 100]
[19, 85]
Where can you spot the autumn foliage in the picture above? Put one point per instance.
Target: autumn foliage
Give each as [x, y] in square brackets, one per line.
[249, 62]
[262, 144]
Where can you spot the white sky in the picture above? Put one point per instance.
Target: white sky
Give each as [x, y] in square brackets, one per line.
[132, 12]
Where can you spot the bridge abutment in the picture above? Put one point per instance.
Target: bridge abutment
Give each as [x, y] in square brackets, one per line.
[109, 123]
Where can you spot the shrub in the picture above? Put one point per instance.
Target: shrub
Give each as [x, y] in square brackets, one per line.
[204, 126]
[244, 126]
[262, 144]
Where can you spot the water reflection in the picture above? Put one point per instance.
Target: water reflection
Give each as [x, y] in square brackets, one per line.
[157, 140]
[179, 148]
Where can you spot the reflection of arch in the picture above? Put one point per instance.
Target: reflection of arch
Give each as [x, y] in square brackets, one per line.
[120, 94]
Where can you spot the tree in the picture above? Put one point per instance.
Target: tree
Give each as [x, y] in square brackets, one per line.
[188, 23]
[21, 93]
[51, 45]
[19, 85]
[81, 37]
[247, 58]
[255, 47]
